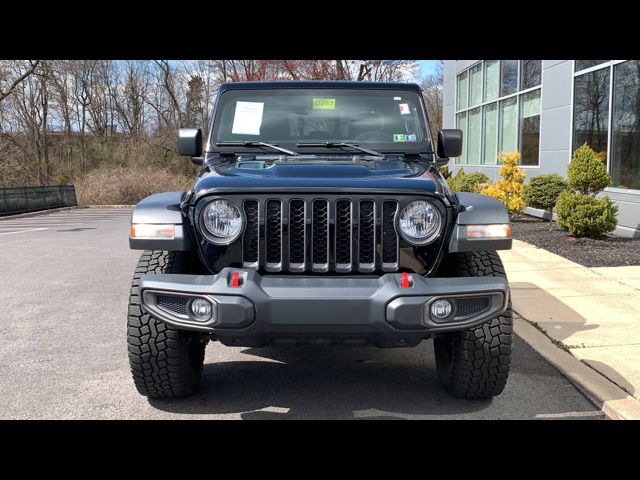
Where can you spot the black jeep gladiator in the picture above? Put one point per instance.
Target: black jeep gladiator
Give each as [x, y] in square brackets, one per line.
[320, 217]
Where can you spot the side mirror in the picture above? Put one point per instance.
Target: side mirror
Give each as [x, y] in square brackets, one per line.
[190, 142]
[449, 143]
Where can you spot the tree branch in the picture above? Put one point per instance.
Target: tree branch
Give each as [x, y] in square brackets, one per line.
[18, 80]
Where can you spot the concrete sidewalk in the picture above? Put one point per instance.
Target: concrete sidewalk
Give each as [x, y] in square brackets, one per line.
[593, 312]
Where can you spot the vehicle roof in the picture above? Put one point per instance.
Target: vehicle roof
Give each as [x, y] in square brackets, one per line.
[319, 84]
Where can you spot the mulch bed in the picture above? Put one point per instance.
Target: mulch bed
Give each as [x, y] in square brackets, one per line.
[606, 251]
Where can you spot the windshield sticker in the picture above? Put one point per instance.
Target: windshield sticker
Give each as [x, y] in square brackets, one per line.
[324, 103]
[401, 137]
[248, 118]
[404, 109]
[397, 98]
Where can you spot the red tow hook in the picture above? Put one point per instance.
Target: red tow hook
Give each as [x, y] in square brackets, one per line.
[406, 280]
[235, 280]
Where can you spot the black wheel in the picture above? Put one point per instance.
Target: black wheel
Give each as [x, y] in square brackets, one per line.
[165, 362]
[474, 363]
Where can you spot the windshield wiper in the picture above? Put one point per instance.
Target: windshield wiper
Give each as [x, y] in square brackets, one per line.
[255, 144]
[339, 145]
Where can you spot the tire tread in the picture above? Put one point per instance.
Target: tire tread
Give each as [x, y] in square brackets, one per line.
[480, 357]
[164, 361]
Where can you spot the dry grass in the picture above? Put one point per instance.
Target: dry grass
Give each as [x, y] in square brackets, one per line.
[127, 185]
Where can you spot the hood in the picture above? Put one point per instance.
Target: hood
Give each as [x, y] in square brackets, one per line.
[324, 173]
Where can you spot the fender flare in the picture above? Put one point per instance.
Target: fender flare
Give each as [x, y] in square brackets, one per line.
[477, 209]
[164, 209]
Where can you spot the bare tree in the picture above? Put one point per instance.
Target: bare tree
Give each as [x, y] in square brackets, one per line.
[61, 86]
[61, 119]
[130, 95]
[385, 70]
[208, 73]
[102, 88]
[30, 115]
[168, 87]
[432, 91]
[9, 82]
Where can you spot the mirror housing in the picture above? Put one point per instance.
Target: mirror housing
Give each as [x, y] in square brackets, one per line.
[449, 143]
[190, 142]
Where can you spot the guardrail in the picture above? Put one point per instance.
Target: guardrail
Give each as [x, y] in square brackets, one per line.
[31, 199]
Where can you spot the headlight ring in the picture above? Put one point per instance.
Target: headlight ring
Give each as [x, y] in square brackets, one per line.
[419, 222]
[221, 221]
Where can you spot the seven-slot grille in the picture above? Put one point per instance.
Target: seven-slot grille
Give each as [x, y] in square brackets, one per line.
[320, 234]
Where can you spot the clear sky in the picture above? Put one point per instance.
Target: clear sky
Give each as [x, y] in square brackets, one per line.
[427, 66]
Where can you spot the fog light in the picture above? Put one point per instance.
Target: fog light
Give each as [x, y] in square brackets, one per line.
[201, 309]
[441, 308]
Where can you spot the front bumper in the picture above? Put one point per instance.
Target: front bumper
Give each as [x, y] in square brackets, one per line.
[281, 309]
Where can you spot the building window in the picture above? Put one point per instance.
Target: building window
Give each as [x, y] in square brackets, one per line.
[509, 77]
[530, 127]
[461, 123]
[625, 125]
[475, 85]
[474, 136]
[508, 125]
[490, 134]
[591, 110]
[498, 108]
[463, 90]
[531, 73]
[584, 64]
[491, 80]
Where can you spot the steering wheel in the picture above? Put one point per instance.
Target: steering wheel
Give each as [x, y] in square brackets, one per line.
[372, 136]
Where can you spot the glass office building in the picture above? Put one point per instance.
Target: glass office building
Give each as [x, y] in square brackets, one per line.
[546, 109]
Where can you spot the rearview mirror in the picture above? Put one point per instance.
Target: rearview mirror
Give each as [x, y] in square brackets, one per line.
[190, 142]
[449, 143]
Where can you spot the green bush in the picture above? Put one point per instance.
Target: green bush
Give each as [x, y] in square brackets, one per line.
[587, 171]
[461, 182]
[472, 182]
[584, 215]
[455, 181]
[445, 172]
[580, 212]
[542, 190]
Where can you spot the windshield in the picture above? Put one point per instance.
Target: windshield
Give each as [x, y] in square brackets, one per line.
[383, 120]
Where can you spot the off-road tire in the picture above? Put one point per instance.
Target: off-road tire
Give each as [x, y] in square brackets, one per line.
[474, 363]
[165, 362]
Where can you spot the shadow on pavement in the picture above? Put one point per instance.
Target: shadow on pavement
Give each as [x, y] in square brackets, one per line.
[561, 322]
[324, 382]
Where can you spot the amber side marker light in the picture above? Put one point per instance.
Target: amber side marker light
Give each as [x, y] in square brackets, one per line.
[150, 230]
[489, 231]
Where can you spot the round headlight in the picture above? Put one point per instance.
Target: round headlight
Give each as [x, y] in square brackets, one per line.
[222, 220]
[419, 222]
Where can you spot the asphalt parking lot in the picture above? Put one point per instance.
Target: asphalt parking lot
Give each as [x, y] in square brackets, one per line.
[64, 281]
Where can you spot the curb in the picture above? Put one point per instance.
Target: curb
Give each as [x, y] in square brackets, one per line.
[107, 206]
[614, 402]
[39, 212]
[61, 209]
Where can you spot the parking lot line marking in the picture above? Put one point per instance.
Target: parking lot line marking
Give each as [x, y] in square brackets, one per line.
[592, 413]
[38, 225]
[24, 231]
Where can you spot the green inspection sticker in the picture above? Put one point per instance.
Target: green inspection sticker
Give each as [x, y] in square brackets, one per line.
[324, 103]
[401, 137]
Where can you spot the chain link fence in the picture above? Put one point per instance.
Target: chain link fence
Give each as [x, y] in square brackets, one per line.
[30, 199]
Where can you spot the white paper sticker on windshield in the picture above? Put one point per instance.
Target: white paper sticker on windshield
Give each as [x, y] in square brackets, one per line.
[248, 118]
[404, 109]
